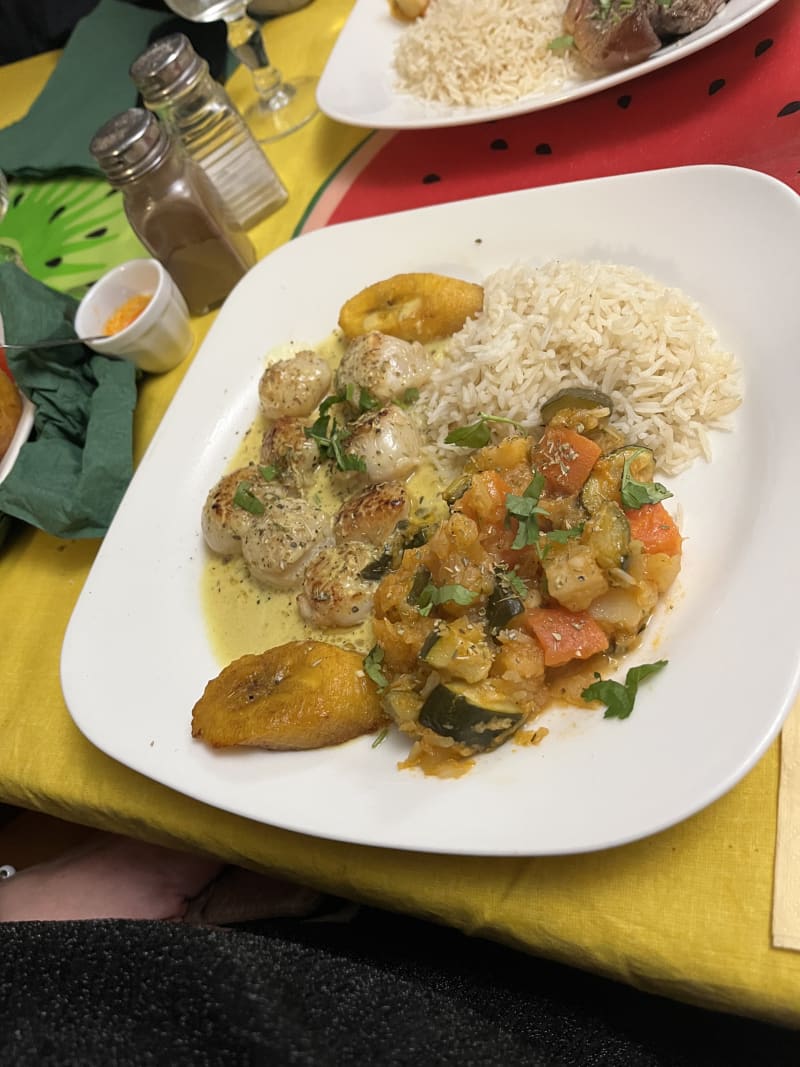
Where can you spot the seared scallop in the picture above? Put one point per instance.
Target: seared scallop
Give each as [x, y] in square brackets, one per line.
[372, 515]
[388, 443]
[334, 593]
[294, 455]
[294, 386]
[385, 366]
[279, 545]
[233, 505]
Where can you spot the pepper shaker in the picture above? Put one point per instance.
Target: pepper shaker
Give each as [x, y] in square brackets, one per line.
[173, 208]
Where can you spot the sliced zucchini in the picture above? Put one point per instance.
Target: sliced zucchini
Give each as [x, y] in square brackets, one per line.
[456, 489]
[608, 534]
[401, 705]
[606, 478]
[458, 649]
[472, 715]
[502, 606]
[421, 580]
[576, 398]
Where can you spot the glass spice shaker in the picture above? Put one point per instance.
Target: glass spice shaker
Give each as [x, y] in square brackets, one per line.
[173, 208]
[176, 84]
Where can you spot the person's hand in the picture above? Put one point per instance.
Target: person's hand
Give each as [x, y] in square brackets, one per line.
[109, 877]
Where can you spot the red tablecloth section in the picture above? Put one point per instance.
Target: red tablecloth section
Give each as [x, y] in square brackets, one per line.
[735, 102]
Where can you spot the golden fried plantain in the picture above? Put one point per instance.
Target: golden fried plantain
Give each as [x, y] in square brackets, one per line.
[414, 307]
[304, 694]
[408, 10]
[10, 411]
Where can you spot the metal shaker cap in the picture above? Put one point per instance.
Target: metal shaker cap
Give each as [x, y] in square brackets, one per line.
[129, 145]
[167, 67]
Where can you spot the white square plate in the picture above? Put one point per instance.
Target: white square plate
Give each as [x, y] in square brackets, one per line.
[136, 655]
[358, 83]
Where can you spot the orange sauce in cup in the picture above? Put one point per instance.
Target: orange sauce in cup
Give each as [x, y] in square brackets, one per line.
[125, 314]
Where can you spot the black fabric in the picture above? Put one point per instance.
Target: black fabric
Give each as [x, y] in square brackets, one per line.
[379, 989]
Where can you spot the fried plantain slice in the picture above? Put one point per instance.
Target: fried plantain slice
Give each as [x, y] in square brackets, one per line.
[301, 695]
[414, 307]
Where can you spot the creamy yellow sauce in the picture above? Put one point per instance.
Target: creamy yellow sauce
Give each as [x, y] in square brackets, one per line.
[244, 617]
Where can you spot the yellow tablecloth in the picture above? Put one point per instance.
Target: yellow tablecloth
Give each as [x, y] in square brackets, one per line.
[685, 913]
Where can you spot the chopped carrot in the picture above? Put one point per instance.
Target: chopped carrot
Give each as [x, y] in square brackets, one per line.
[564, 635]
[485, 500]
[653, 525]
[565, 458]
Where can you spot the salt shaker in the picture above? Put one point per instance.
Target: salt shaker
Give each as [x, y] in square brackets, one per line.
[176, 84]
[173, 208]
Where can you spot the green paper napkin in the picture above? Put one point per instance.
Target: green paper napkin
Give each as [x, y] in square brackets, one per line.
[91, 84]
[70, 477]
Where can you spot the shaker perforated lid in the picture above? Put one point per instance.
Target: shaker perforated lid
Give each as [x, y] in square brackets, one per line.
[129, 145]
[167, 67]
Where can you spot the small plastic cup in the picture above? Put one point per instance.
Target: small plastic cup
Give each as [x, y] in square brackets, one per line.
[160, 336]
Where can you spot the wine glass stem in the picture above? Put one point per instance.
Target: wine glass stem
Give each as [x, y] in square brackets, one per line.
[246, 42]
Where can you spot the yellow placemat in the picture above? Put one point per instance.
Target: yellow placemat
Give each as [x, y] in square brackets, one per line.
[685, 913]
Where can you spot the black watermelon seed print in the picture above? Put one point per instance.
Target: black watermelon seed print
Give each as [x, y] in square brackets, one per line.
[789, 109]
[53, 262]
[499, 145]
[430, 179]
[763, 46]
[544, 150]
[624, 102]
[716, 85]
[17, 199]
[58, 211]
[101, 232]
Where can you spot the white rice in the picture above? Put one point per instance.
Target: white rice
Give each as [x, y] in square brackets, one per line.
[479, 53]
[600, 325]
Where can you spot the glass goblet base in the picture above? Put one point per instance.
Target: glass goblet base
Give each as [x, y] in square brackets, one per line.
[287, 109]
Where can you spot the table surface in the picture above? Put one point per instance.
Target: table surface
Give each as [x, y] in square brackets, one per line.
[685, 913]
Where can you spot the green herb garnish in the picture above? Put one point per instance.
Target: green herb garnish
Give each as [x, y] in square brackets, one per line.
[618, 697]
[384, 733]
[557, 537]
[525, 509]
[268, 472]
[372, 666]
[477, 434]
[515, 583]
[331, 438]
[432, 595]
[244, 498]
[636, 494]
[562, 44]
[410, 396]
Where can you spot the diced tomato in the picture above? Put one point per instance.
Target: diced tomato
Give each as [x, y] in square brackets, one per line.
[565, 458]
[653, 525]
[564, 635]
[3, 364]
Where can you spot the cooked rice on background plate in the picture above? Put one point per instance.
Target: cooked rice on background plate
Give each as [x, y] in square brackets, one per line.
[602, 325]
[473, 54]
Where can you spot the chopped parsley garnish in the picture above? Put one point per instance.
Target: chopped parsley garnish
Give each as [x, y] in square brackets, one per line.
[557, 537]
[432, 595]
[515, 583]
[372, 666]
[562, 44]
[268, 472]
[245, 498]
[526, 508]
[410, 396]
[619, 697]
[477, 434]
[636, 494]
[381, 737]
[331, 438]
